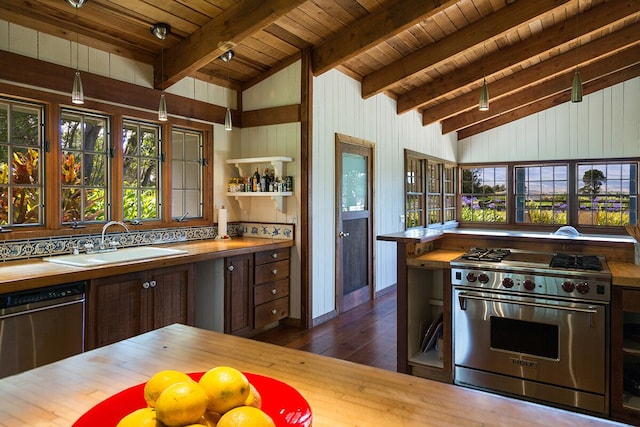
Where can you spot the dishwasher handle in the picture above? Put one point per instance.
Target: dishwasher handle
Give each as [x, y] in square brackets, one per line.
[8, 313]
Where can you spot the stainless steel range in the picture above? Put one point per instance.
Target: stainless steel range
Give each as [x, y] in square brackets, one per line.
[533, 325]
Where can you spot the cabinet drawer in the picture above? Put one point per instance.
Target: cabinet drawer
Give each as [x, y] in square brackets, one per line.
[271, 256]
[270, 291]
[271, 312]
[271, 272]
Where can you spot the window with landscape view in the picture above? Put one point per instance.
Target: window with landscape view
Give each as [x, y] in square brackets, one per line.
[541, 194]
[414, 191]
[484, 194]
[85, 167]
[141, 171]
[21, 182]
[187, 158]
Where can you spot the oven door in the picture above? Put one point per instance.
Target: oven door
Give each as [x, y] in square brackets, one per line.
[548, 341]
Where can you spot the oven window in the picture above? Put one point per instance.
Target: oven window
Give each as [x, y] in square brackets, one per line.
[521, 336]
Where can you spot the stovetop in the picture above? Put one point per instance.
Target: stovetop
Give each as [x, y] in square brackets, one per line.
[533, 261]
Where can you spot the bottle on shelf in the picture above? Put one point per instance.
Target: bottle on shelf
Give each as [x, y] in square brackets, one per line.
[256, 181]
[265, 180]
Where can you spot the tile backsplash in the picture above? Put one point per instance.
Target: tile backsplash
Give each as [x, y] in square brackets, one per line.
[11, 250]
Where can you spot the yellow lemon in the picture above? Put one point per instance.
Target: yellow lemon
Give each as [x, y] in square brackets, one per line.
[160, 381]
[145, 417]
[254, 398]
[181, 403]
[226, 388]
[245, 416]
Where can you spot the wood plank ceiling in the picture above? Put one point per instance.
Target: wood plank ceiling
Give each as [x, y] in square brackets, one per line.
[429, 55]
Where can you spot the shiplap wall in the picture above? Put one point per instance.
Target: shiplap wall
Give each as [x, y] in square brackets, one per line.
[339, 108]
[606, 124]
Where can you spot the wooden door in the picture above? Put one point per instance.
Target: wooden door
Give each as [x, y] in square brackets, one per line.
[354, 182]
[172, 296]
[115, 309]
[238, 291]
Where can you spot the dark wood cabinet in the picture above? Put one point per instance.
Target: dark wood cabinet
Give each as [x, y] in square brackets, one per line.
[625, 354]
[238, 303]
[256, 291]
[126, 305]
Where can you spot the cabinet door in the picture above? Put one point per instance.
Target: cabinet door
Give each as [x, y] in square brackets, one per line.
[116, 309]
[172, 300]
[238, 294]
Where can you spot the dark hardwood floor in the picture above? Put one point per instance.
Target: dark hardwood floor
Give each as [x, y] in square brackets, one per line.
[365, 334]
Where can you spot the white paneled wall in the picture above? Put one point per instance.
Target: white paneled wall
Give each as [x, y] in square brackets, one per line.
[606, 124]
[282, 88]
[339, 108]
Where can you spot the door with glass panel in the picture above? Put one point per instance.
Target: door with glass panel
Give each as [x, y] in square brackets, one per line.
[354, 276]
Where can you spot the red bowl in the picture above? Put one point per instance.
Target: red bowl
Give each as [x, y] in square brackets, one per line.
[282, 402]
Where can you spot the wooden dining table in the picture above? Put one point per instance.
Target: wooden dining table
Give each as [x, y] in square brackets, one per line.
[339, 393]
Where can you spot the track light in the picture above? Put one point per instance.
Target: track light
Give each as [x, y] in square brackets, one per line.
[160, 30]
[77, 3]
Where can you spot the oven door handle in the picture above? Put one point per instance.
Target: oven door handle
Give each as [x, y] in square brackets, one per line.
[591, 310]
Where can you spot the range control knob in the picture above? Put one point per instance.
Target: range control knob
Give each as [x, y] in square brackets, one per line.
[568, 286]
[471, 277]
[507, 282]
[529, 285]
[483, 278]
[583, 288]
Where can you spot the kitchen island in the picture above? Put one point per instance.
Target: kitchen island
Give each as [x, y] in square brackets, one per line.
[340, 393]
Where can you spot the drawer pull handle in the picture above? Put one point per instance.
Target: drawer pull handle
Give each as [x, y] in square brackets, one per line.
[153, 283]
[230, 268]
[274, 291]
[274, 311]
[274, 271]
[274, 255]
[145, 285]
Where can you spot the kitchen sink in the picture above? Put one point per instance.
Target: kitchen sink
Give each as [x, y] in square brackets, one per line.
[120, 255]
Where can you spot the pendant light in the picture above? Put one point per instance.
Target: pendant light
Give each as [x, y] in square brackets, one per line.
[161, 31]
[227, 57]
[483, 104]
[576, 84]
[77, 91]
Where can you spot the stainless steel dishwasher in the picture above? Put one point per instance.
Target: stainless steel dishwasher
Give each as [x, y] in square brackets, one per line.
[40, 326]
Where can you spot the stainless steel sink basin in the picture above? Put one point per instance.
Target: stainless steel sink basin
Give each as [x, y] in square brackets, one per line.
[120, 255]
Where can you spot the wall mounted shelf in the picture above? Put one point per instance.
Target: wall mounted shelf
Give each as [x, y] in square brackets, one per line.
[277, 162]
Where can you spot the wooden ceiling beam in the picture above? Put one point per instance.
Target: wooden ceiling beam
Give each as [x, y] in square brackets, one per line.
[217, 36]
[597, 19]
[466, 38]
[550, 102]
[606, 65]
[373, 29]
[606, 45]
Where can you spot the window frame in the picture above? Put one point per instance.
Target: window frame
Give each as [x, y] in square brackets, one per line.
[423, 192]
[572, 199]
[41, 161]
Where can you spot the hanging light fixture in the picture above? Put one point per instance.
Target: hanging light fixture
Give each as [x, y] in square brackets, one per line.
[161, 31]
[77, 91]
[576, 84]
[227, 57]
[163, 116]
[483, 104]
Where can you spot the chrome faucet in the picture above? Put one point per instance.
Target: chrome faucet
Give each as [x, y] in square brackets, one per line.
[104, 229]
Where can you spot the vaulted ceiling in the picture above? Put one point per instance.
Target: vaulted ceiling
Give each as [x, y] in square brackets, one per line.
[429, 55]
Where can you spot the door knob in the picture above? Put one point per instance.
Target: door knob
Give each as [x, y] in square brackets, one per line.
[230, 268]
[342, 234]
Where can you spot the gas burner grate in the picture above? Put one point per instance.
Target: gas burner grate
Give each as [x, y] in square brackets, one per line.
[484, 254]
[579, 262]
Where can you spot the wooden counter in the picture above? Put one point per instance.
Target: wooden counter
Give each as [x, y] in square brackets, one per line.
[340, 393]
[34, 273]
[624, 273]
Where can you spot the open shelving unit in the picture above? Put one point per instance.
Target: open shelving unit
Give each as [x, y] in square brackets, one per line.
[277, 162]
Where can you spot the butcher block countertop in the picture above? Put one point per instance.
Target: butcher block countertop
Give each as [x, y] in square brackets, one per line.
[340, 393]
[34, 273]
